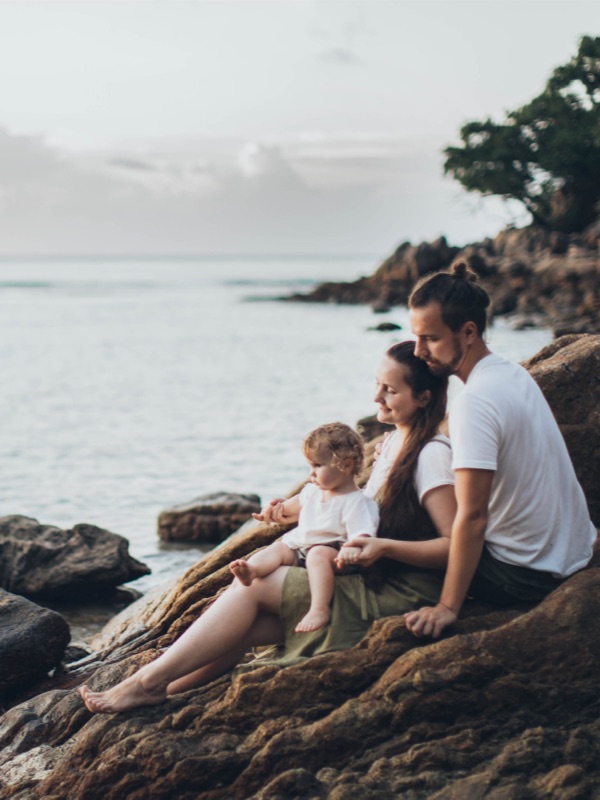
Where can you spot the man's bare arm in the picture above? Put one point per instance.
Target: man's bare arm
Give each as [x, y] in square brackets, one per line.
[473, 488]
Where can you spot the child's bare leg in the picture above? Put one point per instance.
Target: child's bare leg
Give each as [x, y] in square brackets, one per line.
[213, 640]
[263, 563]
[320, 567]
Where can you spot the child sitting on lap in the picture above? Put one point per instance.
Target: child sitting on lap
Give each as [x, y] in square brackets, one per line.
[330, 510]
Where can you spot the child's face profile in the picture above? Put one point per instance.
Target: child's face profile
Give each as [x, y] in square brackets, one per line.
[322, 472]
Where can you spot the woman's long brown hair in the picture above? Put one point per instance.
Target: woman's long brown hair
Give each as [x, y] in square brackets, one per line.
[401, 514]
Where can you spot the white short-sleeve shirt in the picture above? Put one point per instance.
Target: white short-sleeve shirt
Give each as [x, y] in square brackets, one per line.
[327, 520]
[538, 516]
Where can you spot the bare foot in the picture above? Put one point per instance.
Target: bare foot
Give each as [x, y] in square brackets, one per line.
[130, 693]
[243, 571]
[315, 619]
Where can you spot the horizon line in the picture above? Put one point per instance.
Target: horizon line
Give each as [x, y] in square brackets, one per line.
[185, 256]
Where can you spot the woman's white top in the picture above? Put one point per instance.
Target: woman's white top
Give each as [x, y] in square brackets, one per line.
[434, 466]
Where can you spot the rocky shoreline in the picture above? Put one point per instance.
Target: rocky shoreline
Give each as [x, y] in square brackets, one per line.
[535, 277]
[503, 706]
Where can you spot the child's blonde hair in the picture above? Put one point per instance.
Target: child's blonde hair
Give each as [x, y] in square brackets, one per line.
[343, 443]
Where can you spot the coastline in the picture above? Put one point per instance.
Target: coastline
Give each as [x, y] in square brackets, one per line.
[535, 278]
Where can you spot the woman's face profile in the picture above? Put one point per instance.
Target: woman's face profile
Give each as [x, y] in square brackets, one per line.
[394, 397]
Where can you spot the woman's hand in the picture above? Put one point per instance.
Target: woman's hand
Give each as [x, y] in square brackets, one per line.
[370, 550]
[429, 621]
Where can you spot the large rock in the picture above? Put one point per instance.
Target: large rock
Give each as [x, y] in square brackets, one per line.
[533, 274]
[209, 519]
[568, 372]
[504, 706]
[32, 641]
[45, 562]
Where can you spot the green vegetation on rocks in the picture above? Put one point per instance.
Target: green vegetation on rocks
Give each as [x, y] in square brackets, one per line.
[545, 154]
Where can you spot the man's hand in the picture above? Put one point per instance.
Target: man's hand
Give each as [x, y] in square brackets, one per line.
[429, 621]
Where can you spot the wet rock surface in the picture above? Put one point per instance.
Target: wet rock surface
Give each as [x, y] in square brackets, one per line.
[209, 519]
[45, 562]
[505, 706]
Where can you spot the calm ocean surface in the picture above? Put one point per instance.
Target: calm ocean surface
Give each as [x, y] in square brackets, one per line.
[132, 385]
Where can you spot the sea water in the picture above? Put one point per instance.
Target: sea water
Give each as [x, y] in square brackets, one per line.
[131, 385]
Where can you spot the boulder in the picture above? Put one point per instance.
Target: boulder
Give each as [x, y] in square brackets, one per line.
[385, 327]
[32, 641]
[568, 373]
[45, 562]
[208, 519]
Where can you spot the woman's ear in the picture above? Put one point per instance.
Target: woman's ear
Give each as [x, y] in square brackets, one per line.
[425, 398]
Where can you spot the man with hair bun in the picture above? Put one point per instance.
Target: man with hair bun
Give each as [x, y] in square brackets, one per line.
[522, 524]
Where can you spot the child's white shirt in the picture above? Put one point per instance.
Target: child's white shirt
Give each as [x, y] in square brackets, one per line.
[327, 520]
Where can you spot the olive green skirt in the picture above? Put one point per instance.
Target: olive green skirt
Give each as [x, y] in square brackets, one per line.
[354, 609]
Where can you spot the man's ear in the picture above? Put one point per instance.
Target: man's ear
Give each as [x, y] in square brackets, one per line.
[470, 331]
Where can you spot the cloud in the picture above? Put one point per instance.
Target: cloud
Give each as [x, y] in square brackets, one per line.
[312, 194]
[340, 55]
[265, 161]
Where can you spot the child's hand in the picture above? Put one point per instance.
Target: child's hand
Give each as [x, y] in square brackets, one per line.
[370, 549]
[347, 555]
[272, 512]
[379, 446]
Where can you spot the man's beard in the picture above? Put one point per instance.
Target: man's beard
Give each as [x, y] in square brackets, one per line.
[450, 368]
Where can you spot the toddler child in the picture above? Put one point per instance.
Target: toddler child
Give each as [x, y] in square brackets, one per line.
[330, 510]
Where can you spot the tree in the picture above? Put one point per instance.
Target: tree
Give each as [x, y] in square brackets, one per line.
[545, 154]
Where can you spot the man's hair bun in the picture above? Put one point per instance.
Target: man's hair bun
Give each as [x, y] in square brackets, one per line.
[461, 271]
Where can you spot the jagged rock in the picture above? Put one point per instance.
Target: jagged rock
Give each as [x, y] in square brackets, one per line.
[550, 276]
[45, 562]
[209, 519]
[568, 372]
[504, 706]
[32, 641]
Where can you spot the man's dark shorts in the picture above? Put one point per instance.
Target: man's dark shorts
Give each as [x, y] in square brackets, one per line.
[502, 584]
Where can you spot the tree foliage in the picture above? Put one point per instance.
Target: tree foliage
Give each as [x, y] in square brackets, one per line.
[545, 154]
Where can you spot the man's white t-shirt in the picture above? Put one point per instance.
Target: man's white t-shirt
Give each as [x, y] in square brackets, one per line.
[538, 516]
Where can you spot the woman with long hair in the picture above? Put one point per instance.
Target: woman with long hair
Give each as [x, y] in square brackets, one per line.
[413, 482]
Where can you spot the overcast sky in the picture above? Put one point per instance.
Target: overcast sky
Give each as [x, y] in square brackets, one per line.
[258, 126]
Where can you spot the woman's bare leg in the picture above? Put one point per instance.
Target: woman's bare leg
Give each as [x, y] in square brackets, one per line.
[263, 563]
[266, 630]
[320, 567]
[216, 636]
